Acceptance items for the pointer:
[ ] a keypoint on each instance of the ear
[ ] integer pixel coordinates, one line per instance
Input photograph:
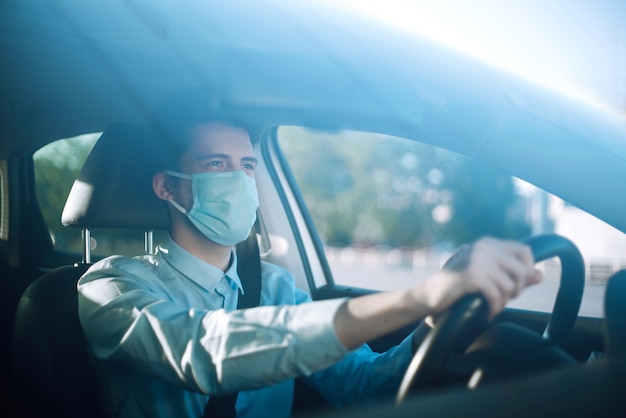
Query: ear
(161, 186)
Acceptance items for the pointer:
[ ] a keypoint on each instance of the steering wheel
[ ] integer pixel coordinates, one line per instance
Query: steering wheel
(453, 325)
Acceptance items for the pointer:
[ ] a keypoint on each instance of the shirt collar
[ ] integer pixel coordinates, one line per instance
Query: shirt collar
(201, 272)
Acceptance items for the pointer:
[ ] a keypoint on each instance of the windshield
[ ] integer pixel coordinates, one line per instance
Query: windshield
(390, 211)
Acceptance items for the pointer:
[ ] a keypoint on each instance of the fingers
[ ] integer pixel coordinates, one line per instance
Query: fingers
(536, 278)
(517, 264)
(499, 269)
(493, 293)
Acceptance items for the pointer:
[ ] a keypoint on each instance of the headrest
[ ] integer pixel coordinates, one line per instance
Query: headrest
(114, 186)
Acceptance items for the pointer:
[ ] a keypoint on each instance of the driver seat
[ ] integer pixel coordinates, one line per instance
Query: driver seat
(50, 364)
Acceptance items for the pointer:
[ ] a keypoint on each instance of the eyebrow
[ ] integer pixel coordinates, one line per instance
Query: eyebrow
(250, 160)
(202, 157)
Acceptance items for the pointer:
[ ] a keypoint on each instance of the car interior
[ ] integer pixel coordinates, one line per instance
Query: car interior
(285, 68)
(49, 360)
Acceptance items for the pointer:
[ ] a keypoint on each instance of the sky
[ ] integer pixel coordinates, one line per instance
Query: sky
(577, 47)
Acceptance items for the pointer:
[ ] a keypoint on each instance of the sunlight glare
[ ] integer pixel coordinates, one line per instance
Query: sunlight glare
(500, 35)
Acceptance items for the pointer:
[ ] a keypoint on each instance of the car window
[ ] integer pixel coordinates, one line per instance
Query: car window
(390, 211)
(56, 167)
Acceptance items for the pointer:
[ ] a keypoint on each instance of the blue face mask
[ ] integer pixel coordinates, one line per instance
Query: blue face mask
(224, 205)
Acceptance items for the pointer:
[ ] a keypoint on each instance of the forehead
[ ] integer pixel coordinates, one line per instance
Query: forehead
(219, 138)
(209, 141)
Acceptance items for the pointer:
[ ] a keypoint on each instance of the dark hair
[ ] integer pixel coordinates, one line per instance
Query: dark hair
(179, 112)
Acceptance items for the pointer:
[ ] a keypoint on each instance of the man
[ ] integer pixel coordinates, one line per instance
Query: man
(164, 330)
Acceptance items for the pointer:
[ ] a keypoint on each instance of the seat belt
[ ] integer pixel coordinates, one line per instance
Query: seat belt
(249, 271)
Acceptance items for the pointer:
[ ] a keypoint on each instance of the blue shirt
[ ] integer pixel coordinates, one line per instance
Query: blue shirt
(165, 334)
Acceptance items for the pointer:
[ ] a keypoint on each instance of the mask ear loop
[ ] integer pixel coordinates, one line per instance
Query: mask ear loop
(177, 206)
(172, 201)
(177, 174)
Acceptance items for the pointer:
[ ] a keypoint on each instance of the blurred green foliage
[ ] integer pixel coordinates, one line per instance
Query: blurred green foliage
(368, 189)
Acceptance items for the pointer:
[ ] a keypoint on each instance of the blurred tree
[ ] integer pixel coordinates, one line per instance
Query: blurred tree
(368, 189)
(484, 202)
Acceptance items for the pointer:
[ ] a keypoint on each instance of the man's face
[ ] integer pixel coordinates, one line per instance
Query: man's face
(215, 148)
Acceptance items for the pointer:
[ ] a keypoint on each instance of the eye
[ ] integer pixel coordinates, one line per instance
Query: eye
(215, 164)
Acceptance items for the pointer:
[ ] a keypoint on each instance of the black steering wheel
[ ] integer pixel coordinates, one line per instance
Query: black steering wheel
(450, 327)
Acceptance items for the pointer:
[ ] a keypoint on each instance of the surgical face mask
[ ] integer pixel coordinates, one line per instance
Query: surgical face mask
(224, 205)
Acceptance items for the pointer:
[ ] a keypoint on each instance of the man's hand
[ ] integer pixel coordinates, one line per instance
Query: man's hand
(498, 269)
